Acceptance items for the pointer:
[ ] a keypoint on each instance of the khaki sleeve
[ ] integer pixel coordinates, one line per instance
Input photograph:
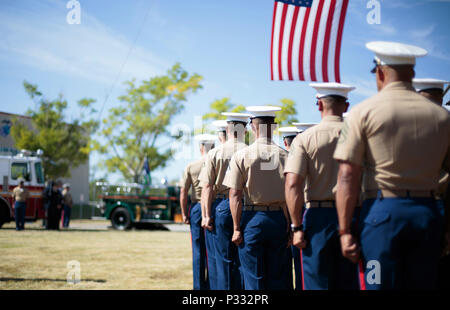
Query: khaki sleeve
(350, 146)
(208, 173)
(234, 177)
(297, 161)
(186, 180)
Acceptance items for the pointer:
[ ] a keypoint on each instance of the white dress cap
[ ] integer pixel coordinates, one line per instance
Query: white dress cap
(424, 84)
(332, 89)
(236, 117)
(221, 125)
(205, 138)
(289, 131)
(394, 53)
(303, 126)
(263, 111)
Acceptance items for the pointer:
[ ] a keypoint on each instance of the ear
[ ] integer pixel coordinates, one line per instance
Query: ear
(320, 103)
(285, 143)
(346, 107)
(380, 74)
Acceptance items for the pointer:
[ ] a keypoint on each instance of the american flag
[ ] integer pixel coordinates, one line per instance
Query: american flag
(306, 40)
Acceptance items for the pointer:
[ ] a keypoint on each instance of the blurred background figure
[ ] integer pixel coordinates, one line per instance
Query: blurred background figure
(20, 195)
(54, 203)
(67, 205)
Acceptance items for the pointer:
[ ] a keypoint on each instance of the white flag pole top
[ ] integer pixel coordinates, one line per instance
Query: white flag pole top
(394, 53)
(332, 89)
(289, 131)
(424, 84)
(236, 117)
(221, 125)
(205, 138)
(303, 126)
(262, 111)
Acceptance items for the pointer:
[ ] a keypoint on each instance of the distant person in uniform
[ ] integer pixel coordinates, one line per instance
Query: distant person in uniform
(261, 223)
(209, 215)
(211, 177)
(67, 205)
(46, 194)
(289, 134)
(432, 89)
(54, 198)
(20, 196)
(398, 142)
(311, 175)
(193, 215)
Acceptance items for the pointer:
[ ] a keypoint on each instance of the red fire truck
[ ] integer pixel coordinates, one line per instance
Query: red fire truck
(26, 165)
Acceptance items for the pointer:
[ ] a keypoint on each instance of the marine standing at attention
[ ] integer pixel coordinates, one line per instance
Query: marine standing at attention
(193, 216)
(311, 174)
(399, 142)
(208, 217)
(261, 222)
(211, 178)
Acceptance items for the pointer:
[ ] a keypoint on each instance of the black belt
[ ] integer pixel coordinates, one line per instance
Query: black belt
(262, 208)
(321, 204)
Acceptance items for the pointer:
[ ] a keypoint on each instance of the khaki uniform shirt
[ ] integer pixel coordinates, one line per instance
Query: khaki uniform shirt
(311, 156)
(20, 194)
(216, 164)
(190, 178)
(258, 170)
(400, 138)
(67, 197)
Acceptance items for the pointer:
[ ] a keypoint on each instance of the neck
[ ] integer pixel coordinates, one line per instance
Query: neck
(330, 112)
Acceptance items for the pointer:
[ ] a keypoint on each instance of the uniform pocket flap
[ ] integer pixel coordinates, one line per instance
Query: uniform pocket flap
(377, 218)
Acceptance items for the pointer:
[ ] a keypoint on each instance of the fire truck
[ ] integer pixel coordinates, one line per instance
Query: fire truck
(26, 165)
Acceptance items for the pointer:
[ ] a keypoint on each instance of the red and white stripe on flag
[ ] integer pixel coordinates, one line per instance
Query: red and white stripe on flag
(306, 40)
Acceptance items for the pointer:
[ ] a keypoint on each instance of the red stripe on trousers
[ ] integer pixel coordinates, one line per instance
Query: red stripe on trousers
(362, 283)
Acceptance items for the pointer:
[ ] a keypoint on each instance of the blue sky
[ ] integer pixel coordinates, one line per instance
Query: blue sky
(227, 42)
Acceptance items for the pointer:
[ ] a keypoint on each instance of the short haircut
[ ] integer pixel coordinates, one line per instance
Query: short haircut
(334, 99)
(289, 140)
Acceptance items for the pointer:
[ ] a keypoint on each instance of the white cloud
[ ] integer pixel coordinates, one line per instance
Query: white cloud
(41, 38)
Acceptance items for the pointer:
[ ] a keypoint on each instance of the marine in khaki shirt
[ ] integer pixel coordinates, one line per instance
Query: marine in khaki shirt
(216, 164)
(190, 178)
(311, 157)
(258, 172)
(390, 135)
(260, 227)
(398, 141)
(311, 161)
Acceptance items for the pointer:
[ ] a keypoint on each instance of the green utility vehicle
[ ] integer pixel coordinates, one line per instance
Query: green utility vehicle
(128, 204)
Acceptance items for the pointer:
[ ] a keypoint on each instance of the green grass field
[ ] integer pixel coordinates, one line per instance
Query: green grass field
(136, 259)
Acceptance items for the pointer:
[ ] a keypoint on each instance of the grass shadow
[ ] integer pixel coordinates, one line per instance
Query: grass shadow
(47, 280)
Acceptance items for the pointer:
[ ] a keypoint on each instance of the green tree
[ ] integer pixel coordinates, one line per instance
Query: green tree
(65, 143)
(217, 107)
(142, 119)
(288, 113)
